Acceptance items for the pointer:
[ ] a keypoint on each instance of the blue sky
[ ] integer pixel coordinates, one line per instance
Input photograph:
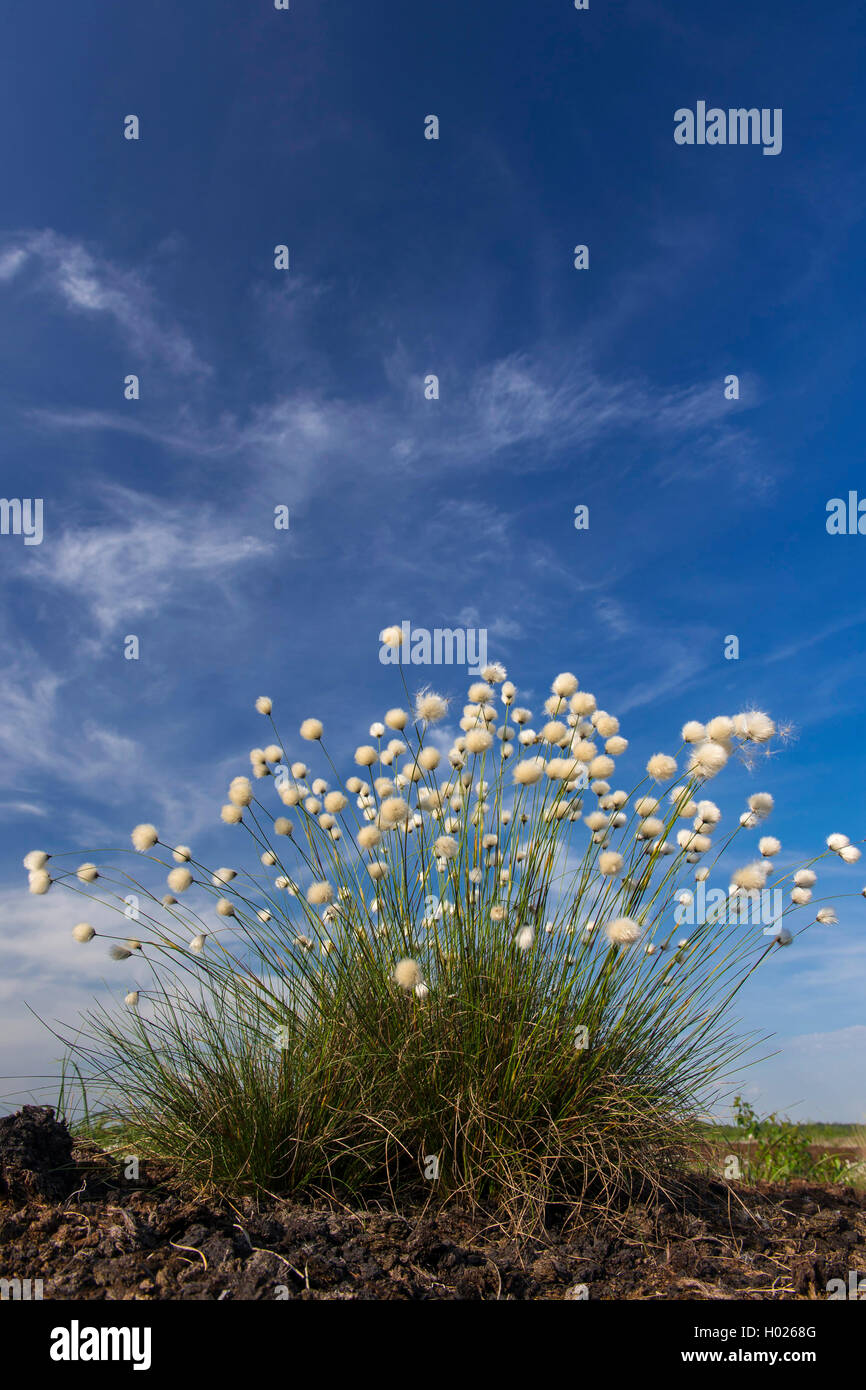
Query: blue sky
(305, 388)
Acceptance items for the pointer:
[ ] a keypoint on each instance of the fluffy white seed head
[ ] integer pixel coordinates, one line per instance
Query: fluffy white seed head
(623, 932)
(661, 767)
(837, 842)
(319, 893)
(478, 740)
(707, 760)
(446, 847)
(605, 723)
(565, 684)
(311, 729)
(36, 859)
(430, 707)
(264, 705)
(529, 771)
(694, 732)
(407, 973)
(144, 837)
(750, 876)
(83, 932)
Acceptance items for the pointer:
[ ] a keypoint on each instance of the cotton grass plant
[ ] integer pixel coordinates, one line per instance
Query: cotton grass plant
(469, 957)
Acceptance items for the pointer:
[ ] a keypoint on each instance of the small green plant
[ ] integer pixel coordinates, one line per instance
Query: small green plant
(779, 1150)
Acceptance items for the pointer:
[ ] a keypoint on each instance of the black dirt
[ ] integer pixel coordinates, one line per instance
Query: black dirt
(75, 1221)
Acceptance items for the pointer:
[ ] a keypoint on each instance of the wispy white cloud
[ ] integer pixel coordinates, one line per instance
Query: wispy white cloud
(147, 555)
(87, 283)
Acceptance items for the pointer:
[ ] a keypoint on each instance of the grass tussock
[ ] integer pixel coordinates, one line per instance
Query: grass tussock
(488, 973)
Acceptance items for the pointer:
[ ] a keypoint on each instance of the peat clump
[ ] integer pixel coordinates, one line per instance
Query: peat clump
(35, 1155)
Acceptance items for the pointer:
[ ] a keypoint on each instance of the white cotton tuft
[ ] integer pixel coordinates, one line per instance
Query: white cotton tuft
(837, 842)
(264, 705)
(694, 732)
(707, 760)
(179, 880)
(83, 932)
(478, 740)
(311, 729)
(661, 767)
(605, 723)
(769, 845)
(524, 938)
(565, 684)
(407, 973)
(36, 859)
(391, 637)
(430, 707)
(144, 837)
(446, 847)
(87, 873)
(750, 876)
(623, 932)
(755, 727)
(320, 892)
(397, 719)
(529, 771)
(582, 703)
(240, 791)
(554, 732)
(601, 766)
(40, 881)
(610, 862)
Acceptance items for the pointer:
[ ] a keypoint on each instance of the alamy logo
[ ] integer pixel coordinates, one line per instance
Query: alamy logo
(22, 516)
(444, 646)
(764, 906)
(856, 1287)
(21, 1289)
(77, 1343)
(736, 126)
